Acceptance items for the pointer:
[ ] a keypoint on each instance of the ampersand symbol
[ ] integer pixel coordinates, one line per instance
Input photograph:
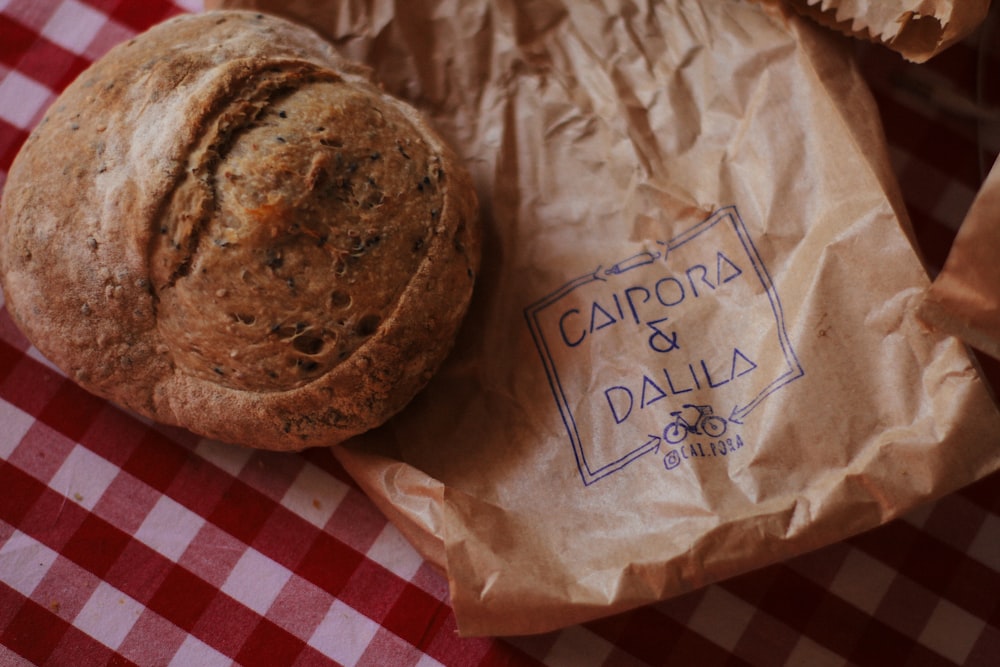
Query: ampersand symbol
(662, 341)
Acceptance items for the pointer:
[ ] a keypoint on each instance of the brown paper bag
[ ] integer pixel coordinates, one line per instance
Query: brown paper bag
(917, 29)
(692, 350)
(964, 299)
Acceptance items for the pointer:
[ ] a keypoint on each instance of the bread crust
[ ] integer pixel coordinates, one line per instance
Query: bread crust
(226, 226)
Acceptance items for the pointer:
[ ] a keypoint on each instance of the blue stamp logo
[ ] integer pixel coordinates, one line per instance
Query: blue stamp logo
(690, 337)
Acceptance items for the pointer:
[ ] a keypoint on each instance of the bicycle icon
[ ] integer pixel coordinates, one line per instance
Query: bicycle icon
(708, 423)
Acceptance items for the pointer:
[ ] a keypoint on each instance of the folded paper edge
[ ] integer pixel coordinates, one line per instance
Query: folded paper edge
(955, 305)
(409, 498)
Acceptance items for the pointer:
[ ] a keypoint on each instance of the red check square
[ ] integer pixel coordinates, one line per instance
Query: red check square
(11, 140)
(96, 545)
(29, 384)
(225, 624)
(357, 521)
(137, 15)
(153, 640)
(51, 63)
(182, 598)
(139, 572)
(156, 460)
(269, 645)
(387, 648)
(52, 520)
(285, 537)
(414, 615)
(33, 632)
(242, 512)
(42, 451)
(212, 555)
(299, 607)
(113, 434)
(65, 589)
(10, 606)
(329, 564)
(18, 40)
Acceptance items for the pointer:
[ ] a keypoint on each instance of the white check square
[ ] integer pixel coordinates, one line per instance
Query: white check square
(108, 615)
(808, 653)
(169, 528)
(953, 202)
(193, 6)
(22, 99)
(230, 458)
(24, 562)
(578, 647)
(344, 634)
(391, 550)
(952, 631)
(83, 477)
(256, 581)
(721, 617)
(427, 661)
(862, 581)
(16, 423)
(196, 652)
(73, 26)
(314, 495)
(985, 546)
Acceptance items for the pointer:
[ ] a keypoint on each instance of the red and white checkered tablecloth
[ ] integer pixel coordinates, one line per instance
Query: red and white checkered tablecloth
(122, 542)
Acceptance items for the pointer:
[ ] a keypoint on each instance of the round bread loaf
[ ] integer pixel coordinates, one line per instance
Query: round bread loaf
(224, 225)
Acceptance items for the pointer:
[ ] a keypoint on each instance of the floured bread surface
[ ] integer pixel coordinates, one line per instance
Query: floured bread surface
(226, 226)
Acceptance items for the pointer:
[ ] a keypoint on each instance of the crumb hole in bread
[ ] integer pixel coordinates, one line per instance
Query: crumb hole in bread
(368, 324)
(308, 365)
(340, 299)
(273, 259)
(310, 345)
(243, 318)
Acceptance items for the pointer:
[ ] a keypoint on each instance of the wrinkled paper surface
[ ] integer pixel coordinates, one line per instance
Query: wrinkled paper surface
(693, 348)
(917, 29)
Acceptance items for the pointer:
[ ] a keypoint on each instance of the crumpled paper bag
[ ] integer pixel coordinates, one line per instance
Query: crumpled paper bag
(917, 29)
(964, 298)
(693, 348)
